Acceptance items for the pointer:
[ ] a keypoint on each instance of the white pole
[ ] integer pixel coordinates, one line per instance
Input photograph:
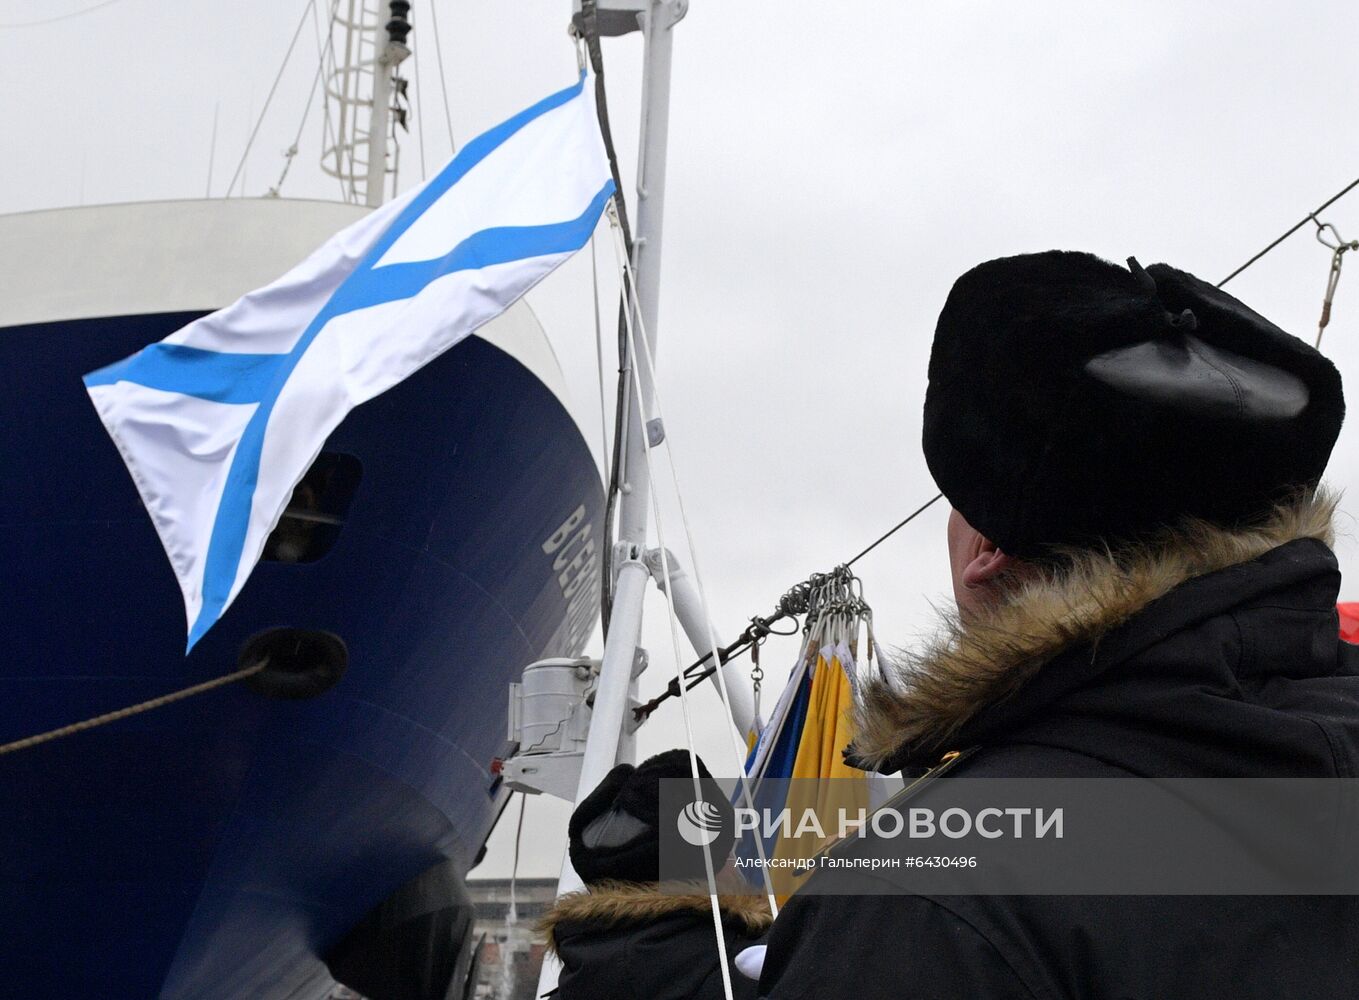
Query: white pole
(376, 184)
(606, 720)
(620, 645)
(389, 44)
(657, 18)
(608, 716)
(684, 598)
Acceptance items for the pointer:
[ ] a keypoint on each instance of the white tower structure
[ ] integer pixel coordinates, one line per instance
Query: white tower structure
(369, 43)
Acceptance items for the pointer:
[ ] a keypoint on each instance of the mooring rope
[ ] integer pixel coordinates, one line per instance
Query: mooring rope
(123, 713)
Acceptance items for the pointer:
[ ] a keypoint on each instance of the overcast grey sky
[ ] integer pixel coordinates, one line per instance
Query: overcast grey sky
(832, 169)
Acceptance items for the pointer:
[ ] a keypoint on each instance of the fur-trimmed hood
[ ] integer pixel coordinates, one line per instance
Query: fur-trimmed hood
(920, 702)
(607, 905)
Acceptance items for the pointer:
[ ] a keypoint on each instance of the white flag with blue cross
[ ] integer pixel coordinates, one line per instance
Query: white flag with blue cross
(219, 421)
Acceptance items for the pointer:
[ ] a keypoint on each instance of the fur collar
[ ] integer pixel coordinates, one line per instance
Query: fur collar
(922, 700)
(614, 904)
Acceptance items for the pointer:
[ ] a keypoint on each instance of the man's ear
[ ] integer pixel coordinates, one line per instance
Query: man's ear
(986, 565)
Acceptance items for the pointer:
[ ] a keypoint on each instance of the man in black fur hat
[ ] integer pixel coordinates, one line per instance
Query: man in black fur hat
(1140, 554)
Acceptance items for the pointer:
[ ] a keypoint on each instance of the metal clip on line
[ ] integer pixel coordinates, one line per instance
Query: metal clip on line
(1337, 248)
(756, 675)
(796, 601)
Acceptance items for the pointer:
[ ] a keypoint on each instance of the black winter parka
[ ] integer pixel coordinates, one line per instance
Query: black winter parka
(1210, 653)
(634, 941)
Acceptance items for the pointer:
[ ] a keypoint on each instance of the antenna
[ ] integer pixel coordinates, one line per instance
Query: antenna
(371, 44)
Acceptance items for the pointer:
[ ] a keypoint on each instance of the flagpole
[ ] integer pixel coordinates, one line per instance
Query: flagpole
(656, 18)
(605, 744)
(389, 43)
(657, 24)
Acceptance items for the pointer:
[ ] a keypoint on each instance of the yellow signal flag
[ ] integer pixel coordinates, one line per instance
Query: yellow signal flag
(823, 784)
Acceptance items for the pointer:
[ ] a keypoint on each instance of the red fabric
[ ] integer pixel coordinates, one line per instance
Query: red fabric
(1349, 621)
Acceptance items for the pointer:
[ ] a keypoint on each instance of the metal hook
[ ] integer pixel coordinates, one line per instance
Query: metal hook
(1337, 249)
(1340, 245)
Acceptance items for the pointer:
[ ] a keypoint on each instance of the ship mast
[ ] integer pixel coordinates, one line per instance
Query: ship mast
(607, 743)
(655, 19)
(393, 51)
(370, 39)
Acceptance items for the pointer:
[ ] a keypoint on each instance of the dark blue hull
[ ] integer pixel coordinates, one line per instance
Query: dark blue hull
(220, 846)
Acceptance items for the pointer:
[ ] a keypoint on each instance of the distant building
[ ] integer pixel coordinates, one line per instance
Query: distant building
(510, 954)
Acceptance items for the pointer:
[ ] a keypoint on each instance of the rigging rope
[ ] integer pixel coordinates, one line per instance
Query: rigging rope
(272, 89)
(329, 137)
(585, 27)
(599, 354)
(507, 970)
(892, 531)
(738, 750)
(1309, 217)
(796, 601)
(719, 932)
(514, 870)
(123, 713)
(290, 153)
(419, 110)
(60, 17)
(212, 152)
(443, 81)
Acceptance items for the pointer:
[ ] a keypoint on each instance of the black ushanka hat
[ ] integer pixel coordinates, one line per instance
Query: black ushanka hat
(1072, 402)
(616, 831)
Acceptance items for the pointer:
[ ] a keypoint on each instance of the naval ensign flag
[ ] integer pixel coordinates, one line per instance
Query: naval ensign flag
(219, 421)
